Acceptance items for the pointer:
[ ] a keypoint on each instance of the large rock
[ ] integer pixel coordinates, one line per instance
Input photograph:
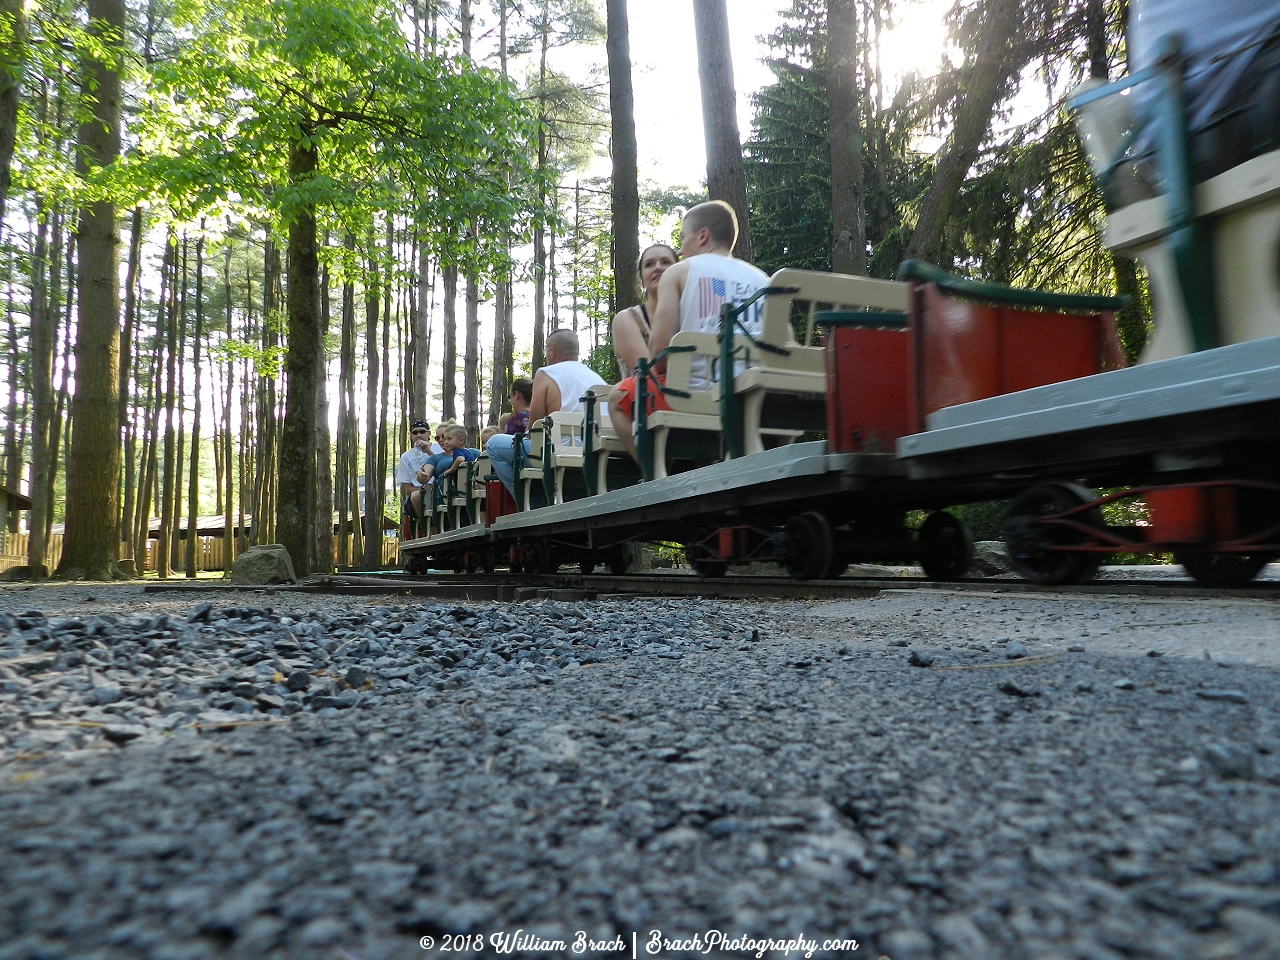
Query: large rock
(990, 559)
(264, 564)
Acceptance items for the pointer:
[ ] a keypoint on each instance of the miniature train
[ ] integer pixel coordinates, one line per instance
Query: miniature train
(934, 391)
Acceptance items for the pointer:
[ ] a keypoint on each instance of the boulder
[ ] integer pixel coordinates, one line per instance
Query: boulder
(990, 559)
(263, 564)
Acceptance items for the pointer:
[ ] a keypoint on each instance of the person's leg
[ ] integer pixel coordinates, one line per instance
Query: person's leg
(502, 458)
(621, 399)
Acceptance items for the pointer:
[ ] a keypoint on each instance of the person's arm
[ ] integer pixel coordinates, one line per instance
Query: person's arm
(666, 319)
(628, 342)
(546, 397)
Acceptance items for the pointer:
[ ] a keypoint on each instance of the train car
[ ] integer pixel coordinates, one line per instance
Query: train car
(933, 390)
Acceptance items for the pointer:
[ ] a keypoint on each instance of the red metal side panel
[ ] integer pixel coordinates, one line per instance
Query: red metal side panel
(867, 389)
(958, 352)
(1178, 515)
(1039, 348)
(963, 351)
(498, 501)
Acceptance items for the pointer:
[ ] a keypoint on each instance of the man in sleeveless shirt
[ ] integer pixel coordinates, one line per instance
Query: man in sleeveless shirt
(557, 386)
(690, 295)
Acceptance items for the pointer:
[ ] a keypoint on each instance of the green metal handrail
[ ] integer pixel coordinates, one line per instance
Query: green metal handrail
(731, 416)
(644, 440)
(998, 293)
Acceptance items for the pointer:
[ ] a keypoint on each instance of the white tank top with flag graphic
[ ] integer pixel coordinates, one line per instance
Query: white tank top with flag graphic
(712, 281)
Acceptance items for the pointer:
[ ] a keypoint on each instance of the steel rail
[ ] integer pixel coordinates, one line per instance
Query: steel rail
(510, 588)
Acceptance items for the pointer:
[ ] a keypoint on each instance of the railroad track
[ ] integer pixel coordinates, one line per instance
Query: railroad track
(508, 588)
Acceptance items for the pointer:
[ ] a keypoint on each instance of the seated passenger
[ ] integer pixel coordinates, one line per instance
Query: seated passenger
(557, 386)
(411, 462)
(519, 398)
(631, 327)
(690, 295)
(492, 430)
(456, 453)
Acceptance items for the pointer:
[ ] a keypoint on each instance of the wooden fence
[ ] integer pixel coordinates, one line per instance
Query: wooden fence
(13, 552)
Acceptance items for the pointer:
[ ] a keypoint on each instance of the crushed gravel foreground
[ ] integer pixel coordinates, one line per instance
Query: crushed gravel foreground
(927, 774)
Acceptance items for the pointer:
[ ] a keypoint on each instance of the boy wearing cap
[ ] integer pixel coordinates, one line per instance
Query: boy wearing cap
(411, 462)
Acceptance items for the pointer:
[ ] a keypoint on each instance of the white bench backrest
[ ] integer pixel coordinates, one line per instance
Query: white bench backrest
(823, 291)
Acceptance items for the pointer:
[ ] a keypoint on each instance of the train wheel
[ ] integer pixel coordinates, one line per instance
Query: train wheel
(808, 546)
(705, 567)
(412, 565)
(947, 546)
(1222, 569)
(1031, 543)
(586, 567)
(538, 560)
(620, 560)
(837, 570)
(488, 561)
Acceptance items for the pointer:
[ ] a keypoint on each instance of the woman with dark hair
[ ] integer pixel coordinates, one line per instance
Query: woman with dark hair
(631, 326)
(520, 397)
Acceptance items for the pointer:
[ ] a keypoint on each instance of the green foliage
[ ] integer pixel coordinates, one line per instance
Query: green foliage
(219, 118)
(1026, 215)
(985, 520)
(788, 163)
(602, 360)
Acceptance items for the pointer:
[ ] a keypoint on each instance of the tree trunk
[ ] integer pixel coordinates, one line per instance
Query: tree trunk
(384, 412)
(228, 478)
(126, 365)
(848, 223)
(141, 519)
(984, 84)
(726, 179)
(42, 337)
(372, 483)
(449, 362)
(540, 221)
(419, 400)
(626, 190)
(471, 362)
(13, 55)
(175, 554)
(324, 447)
(296, 505)
(12, 445)
(58, 441)
(503, 338)
(163, 566)
(92, 543)
(346, 417)
(500, 381)
(193, 483)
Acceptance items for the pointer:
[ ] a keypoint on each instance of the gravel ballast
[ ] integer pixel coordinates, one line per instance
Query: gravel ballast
(288, 776)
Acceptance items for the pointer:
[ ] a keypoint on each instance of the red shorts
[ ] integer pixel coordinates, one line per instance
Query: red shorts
(656, 399)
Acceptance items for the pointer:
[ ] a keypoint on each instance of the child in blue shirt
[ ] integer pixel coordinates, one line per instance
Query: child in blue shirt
(456, 452)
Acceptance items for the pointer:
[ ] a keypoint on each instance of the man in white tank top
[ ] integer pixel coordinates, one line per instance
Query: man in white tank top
(690, 295)
(557, 386)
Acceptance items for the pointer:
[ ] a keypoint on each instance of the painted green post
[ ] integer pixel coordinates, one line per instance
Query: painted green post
(588, 443)
(644, 439)
(1190, 237)
(730, 403)
(517, 464)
